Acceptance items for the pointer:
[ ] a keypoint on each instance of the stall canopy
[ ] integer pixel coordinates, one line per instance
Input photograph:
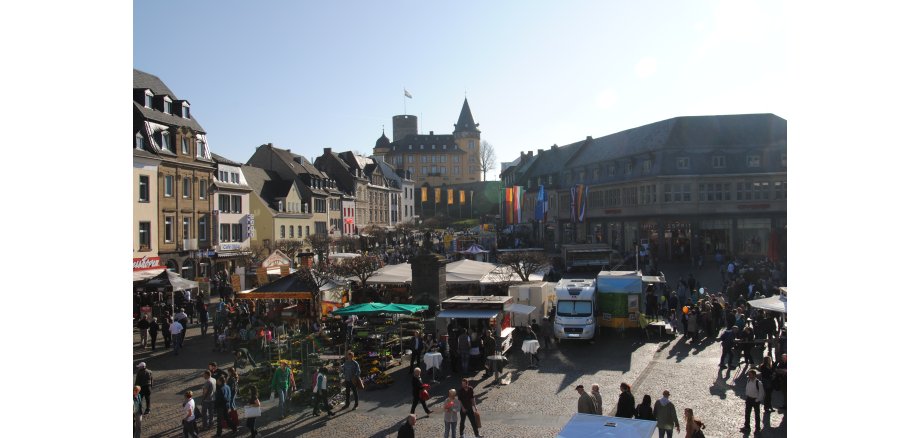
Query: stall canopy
(473, 250)
(468, 271)
(377, 308)
(464, 313)
(776, 303)
(392, 274)
(589, 425)
(294, 286)
(164, 278)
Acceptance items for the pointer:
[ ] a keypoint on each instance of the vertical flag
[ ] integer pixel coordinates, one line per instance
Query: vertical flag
(462, 197)
(424, 194)
(518, 197)
(584, 204)
(572, 192)
(437, 195)
(509, 192)
(538, 210)
(450, 196)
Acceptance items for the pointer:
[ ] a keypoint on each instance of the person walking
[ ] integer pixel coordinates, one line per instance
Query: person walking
(417, 346)
(546, 330)
(208, 392)
(175, 331)
(488, 349)
(351, 373)
(167, 337)
(407, 430)
(280, 383)
(766, 378)
(233, 382)
(143, 325)
(144, 380)
(417, 391)
(585, 402)
(222, 405)
(253, 402)
(694, 426)
(467, 407)
(153, 330)
(644, 410)
(203, 316)
(464, 343)
(320, 394)
(666, 415)
(138, 414)
(728, 347)
(189, 425)
(626, 405)
(182, 318)
(598, 400)
(451, 409)
(753, 396)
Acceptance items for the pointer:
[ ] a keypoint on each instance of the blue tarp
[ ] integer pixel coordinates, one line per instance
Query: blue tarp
(588, 425)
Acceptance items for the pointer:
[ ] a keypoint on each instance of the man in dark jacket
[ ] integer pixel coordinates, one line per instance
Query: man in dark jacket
(416, 391)
(222, 406)
(626, 405)
(407, 430)
(144, 380)
(728, 345)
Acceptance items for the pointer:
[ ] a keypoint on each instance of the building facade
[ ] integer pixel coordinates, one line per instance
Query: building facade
(164, 126)
(146, 213)
(231, 216)
(279, 209)
(686, 186)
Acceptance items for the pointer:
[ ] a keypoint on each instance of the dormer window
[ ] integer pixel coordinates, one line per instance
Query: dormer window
(410, 147)
(199, 147)
(753, 160)
(167, 105)
(683, 163)
(148, 99)
(184, 110)
(139, 140)
(165, 142)
(185, 146)
(444, 147)
(281, 209)
(646, 166)
(422, 147)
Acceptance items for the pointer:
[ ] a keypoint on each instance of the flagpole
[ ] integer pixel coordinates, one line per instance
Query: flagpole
(404, 100)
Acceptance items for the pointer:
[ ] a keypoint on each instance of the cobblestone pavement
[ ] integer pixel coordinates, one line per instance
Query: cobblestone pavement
(537, 402)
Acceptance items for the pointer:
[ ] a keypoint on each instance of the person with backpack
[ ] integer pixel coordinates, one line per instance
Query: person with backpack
(320, 394)
(753, 397)
(694, 427)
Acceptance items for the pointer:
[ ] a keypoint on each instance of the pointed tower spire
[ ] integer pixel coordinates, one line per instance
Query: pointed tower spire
(465, 123)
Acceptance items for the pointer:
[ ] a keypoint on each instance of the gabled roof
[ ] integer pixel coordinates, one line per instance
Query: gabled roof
(465, 121)
(389, 173)
(267, 184)
(154, 84)
(304, 167)
(552, 160)
(689, 132)
(221, 160)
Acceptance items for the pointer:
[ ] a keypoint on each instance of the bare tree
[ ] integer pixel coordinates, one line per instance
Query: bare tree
(319, 244)
(289, 248)
(347, 243)
(361, 267)
(524, 263)
(486, 158)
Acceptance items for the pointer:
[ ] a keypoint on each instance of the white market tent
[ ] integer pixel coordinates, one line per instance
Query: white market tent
(589, 425)
(459, 272)
(468, 271)
(392, 274)
(776, 303)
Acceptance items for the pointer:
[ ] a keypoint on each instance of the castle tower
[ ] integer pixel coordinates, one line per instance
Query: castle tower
(404, 125)
(466, 135)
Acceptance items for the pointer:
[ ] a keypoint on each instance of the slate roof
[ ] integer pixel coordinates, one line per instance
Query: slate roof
(300, 169)
(552, 160)
(389, 173)
(428, 140)
(267, 184)
(465, 121)
(147, 80)
(690, 132)
(221, 160)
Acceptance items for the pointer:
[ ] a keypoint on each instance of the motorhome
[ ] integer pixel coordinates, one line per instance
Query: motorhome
(576, 309)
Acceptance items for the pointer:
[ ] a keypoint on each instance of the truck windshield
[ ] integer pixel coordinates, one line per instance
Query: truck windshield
(573, 308)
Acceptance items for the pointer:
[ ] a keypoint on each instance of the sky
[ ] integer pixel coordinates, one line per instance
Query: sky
(309, 75)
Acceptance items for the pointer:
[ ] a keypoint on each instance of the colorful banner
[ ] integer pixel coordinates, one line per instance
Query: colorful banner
(450, 196)
(437, 195)
(578, 205)
(509, 193)
(424, 194)
(462, 197)
(539, 212)
(513, 201)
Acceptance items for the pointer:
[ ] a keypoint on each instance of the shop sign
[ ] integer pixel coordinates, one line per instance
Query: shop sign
(231, 246)
(250, 222)
(146, 262)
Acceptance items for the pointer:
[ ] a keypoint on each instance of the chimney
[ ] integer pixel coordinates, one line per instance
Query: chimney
(430, 132)
(589, 138)
(555, 147)
(539, 152)
(529, 154)
(327, 151)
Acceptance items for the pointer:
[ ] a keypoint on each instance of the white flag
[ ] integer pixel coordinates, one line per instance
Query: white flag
(407, 93)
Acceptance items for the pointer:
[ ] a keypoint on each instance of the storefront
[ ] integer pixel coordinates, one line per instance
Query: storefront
(715, 235)
(677, 240)
(753, 236)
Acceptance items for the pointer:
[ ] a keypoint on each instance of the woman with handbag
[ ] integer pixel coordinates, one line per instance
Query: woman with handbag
(253, 410)
(451, 410)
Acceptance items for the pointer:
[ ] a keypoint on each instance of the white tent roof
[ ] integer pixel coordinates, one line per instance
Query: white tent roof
(392, 274)
(468, 271)
(776, 303)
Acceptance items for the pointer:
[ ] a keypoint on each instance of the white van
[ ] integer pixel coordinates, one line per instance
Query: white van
(576, 305)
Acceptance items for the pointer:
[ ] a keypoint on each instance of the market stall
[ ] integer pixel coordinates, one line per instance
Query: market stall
(589, 425)
(378, 342)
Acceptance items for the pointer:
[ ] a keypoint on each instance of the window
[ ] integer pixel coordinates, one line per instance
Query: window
(745, 191)
(186, 187)
(186, 227)
(596, 199)
(143, 235)
(168, 186)
(235, 178)
(423, 159)
(236, 204)
(306, 230)
(292, 231)
(203, 227)
(630, 195)
(224, 232)
(648, 194)
(236, 232)
(761, 191)
(596, 173)
(202, 189)
(581, 175)
(753, 160)
(184, 111)
(185, 146)
(646, 166)
(223, 203)
(780, 188)
(167, 105)
(718, 162)
(144, 189)
(319, 205)
(474, 170)
(443, 158)
(456, 159)
(457, 170)
(199, 148)
(139, 141)
(321, 227)
(713, 192)
(410, 148)
(300, 231)
(683, 163)
(425, 171)
(168, 229)
(611, 169)
(612, 197)
(165, 142)
(677, 192)
(148, 99)
(629, 168)
(470, 144)
(282, 231)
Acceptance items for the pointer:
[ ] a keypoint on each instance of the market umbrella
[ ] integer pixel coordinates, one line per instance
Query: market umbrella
(378, 308)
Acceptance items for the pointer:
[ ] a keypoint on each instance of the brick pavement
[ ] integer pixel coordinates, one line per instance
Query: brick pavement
(537, 403)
